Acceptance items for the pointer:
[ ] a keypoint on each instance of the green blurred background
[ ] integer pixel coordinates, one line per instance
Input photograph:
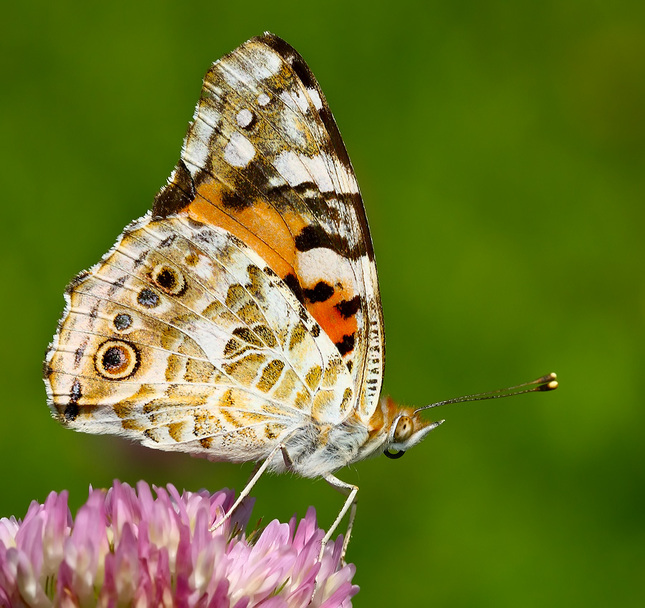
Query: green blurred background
(500, 148)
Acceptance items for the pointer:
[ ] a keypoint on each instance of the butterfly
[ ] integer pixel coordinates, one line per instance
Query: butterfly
(240, 318)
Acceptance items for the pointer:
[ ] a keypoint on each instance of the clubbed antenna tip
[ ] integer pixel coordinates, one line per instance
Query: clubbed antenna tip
(544, 383)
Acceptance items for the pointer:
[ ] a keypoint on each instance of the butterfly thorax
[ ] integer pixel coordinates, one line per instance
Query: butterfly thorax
(317, 450)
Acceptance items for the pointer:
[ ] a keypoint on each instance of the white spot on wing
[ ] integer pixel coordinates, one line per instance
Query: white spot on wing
(322, 264)
(315, 98)
(209, 115)
(244, 118)
(299, 97)
(197, 148)
(266, 62)
(263, 99)
(299, 168)
(239, 151)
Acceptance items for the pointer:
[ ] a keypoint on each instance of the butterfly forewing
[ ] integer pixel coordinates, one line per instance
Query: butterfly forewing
(263, 159)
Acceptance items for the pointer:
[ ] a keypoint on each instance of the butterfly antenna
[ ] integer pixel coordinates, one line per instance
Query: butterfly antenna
(545, 383)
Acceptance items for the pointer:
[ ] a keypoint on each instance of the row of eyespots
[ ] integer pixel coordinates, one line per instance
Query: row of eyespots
(168, 279)
(118, 359)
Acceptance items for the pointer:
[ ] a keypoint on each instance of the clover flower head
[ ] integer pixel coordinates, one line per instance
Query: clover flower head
(130, 547)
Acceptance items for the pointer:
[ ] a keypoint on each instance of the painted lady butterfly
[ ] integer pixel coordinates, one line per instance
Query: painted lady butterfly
(240, 319)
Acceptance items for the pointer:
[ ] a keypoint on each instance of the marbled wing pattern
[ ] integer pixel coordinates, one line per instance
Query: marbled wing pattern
(183, 339)
(263, 158)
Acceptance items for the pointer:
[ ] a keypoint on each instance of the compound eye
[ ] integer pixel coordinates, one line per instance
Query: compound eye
(394, 455)
(403, 430)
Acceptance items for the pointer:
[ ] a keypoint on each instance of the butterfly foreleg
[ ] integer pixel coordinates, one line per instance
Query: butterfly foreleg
(350, 491)
(259, 469)
(288, 464)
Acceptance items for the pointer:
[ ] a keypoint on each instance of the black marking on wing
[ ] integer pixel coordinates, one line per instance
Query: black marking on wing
(294, 285)
(320, 293)
(313, 236)
(148, 298)
(71, 409)
(177, 194)
(346, 344)
(246, 190)
(348, 308)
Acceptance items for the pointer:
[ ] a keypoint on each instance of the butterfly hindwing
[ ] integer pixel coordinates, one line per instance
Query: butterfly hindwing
(183, 339)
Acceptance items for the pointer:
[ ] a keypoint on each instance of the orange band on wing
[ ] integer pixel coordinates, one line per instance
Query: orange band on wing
(331, 320)
(259, 225)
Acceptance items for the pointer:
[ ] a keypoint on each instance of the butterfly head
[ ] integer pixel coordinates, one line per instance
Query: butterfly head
(397, 429)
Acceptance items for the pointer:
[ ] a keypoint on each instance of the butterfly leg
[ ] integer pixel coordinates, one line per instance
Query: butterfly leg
(350, 491)
(257, 473)
(288, 463)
